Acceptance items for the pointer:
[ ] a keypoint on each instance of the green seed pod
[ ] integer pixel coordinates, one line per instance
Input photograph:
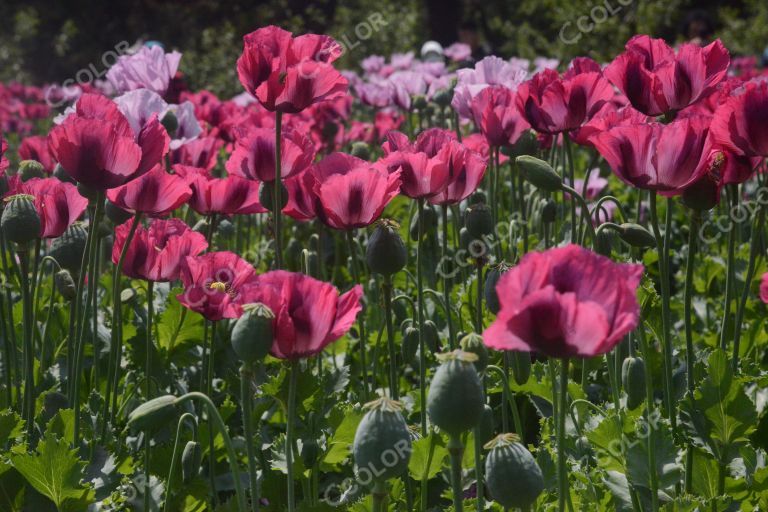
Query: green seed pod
(443, 97)
(455, 400)
(191, 458)
(116, 214)
(521, 366)
(267, 194)
(484, 429)
(386, 252)
(61, 174)
(636, 235)
(69, 248)
(478, 197)
(65, 285)
(410, 344)
(633, 380)
(492, 277)
(430, 222)
(153, 414)
(431, 336)
(473, 343)
(361, 150)
(310, 451)
(252, 334)
(382, 445)
(478, 220)
(170, 123)
(20, 222)
(513, 477)
(549, 211)
(539, 173)
(225, 229)
(419, 102)
(29, 169)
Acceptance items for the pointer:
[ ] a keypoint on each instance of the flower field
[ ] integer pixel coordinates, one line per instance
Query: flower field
(432, 283)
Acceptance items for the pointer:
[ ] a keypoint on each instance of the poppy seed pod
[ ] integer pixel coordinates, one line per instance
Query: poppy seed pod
(443, 97)
(514, 478)
(253, 333)
(29, 169)
(267, 194)
(153, 414)
(382, 445)
(68, 249)
(361, 150)
(539, 173)
(455, 400)
(20, 221)
(430, 222)
(478, 220)
(386, 253)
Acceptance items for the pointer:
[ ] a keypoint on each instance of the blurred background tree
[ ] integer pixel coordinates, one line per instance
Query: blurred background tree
(49, 41)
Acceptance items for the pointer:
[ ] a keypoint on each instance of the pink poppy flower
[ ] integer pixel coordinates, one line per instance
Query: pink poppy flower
(254, 154)
(467, 169)
(740, 123)
(232, 195)
(201, 152)
(155, 193)
(764, 288)
(36, 148)
(495, 112)
(424, 165)
(58, 204)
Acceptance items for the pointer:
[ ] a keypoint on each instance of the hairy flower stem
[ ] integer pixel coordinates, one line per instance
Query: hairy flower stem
(651, 420)
(730, 271)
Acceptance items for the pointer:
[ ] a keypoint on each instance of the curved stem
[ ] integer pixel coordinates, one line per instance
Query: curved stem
(584, 207)
(175, 457)
(278, 192)
(509, 398)
(213, 414)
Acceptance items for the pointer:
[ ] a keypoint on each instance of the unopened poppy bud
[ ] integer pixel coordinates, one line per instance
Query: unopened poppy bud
(361, 150)
(267, 194)
(636, 235)
(633, 380)
(386, 253)
(443, 97)
(419, 102)
(190, 461)
(253, 333)
(309, 452)
(116, 214)
(549, 211)
(527, 144)
(65, 285)
(539, 173)
(473, 343)
(489, 290)
(429, 216)
(20, 222)
(478, 220)
(153, 414)
(604, 241)
(29, 169)
(68, 249)
(170, 123)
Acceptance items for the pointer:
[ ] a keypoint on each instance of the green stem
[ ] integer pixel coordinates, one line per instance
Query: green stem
(447, 281)
(379, 495)
(394, 386)
(213, 413)
(278, 192)
(562, 473)
(175, 457)
(479, 298)
(688, 318)
(147, 382)
(730, 276)
(361, 318)
(649, 416)
(422, 354)
(246, 396)
(480, 498)
(572, 178)
(455, 449)
(293, 378)
(29, 356)
(209, 393)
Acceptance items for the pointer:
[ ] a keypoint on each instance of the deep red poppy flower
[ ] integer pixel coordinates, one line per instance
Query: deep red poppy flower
(58, 204)
(656, 81)
(155, 193)
(655, 156)
(309, 314)
(232, 195)
(351, 192)
(495, 113)
(254, 154)
(565, 302)
(424, 165)
(214, 283)
(554, 104)
(36, 148)
(158, 253)
(288, 74)
(740, 123)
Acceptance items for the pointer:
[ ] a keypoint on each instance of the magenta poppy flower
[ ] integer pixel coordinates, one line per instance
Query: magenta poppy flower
(232, 195)
(303, 204)
(351, 192)
(309, 314)
(608, 117)
(495, 113)
(554, 104)
(214, 284)
(149, 68)
(655, 156)
(254, 154)
(157, 253)
(740, 124)
(36, 148)
(764, 288)
(58, 204)
(424, 165)
(288, 74)
(565, 302)
(3, 160)
(201, 152)
(656, 81)
(467, 169)
(155, 193)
